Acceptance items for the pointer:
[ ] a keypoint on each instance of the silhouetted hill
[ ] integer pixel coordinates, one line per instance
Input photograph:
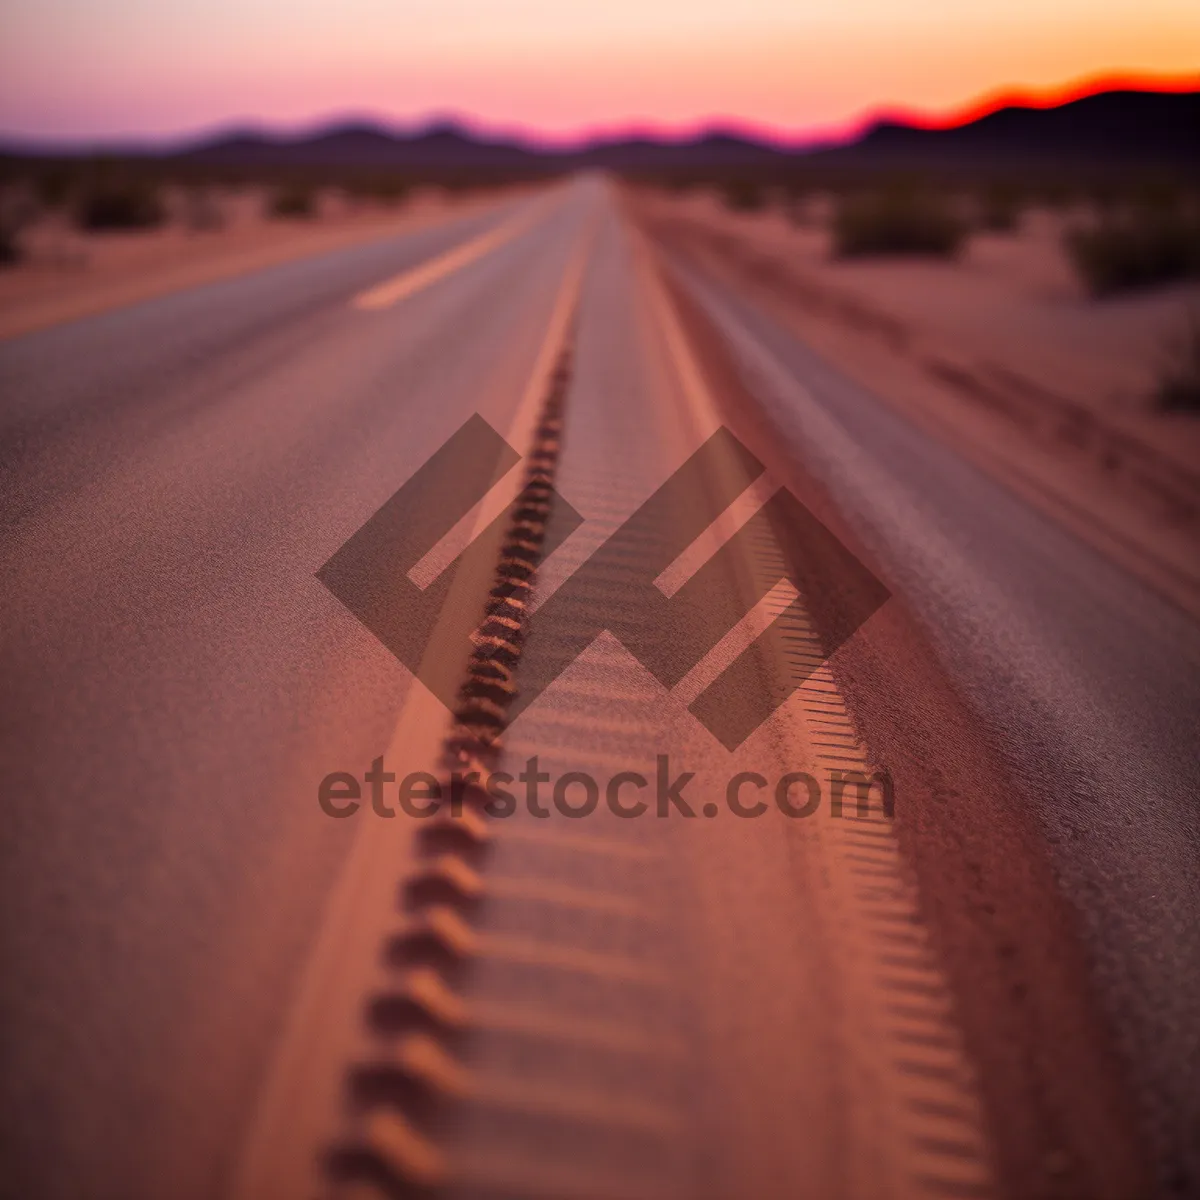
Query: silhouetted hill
(362, 145)
(1114, 127)
(449, 146)
(1117, 126)
(713, 149)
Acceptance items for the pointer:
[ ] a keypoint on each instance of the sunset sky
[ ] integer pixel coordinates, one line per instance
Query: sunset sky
(83, 69)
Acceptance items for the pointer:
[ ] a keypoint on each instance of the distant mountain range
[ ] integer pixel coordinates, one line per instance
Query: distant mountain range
(1127, 126)
(449, 146)
(1116, 126)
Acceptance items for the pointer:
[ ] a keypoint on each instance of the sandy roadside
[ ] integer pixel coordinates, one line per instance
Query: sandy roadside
(67, 274)
(1001, 355)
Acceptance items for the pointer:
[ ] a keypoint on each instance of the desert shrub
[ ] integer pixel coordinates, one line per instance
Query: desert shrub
(800, 211)
(1158, 194)
(292, 202)
(54, 185)
(120, 206)
(382, 189)
(10, 250)
(1136, 249)
(896, 221)
(202, 211)
(390, 191)
(744, 195)
(1179, 386)
(1059, 195)
(458, 184)
(1000, 209)
(797, 201)
(18, 208)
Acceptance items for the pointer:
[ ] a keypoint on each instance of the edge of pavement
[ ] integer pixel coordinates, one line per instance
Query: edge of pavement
(917, 1104)
(1053, 1085)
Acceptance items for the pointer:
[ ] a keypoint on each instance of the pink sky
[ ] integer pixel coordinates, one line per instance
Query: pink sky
(104, 68)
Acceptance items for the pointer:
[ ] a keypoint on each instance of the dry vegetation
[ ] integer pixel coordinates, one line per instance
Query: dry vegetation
(120, 204)
(98, 196)
(896, 219)
(1141, 229)
(1139, 247)
(80, 237)
(1119, 233)
(293, 201)
(1179, 385)
(999, 340)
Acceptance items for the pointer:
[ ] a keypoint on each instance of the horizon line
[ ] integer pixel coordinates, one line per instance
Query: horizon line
(480, 128)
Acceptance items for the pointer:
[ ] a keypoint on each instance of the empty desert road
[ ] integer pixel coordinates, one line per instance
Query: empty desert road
(1008, 1006)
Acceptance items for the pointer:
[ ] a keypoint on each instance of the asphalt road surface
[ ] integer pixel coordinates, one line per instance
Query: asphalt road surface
(178, 682)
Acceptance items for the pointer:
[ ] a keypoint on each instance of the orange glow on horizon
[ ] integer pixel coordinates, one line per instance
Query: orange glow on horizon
(1042, 98)
(991, 101)
(558, 74)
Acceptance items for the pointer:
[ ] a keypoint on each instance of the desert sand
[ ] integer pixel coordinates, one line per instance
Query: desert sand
(1001, 353)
